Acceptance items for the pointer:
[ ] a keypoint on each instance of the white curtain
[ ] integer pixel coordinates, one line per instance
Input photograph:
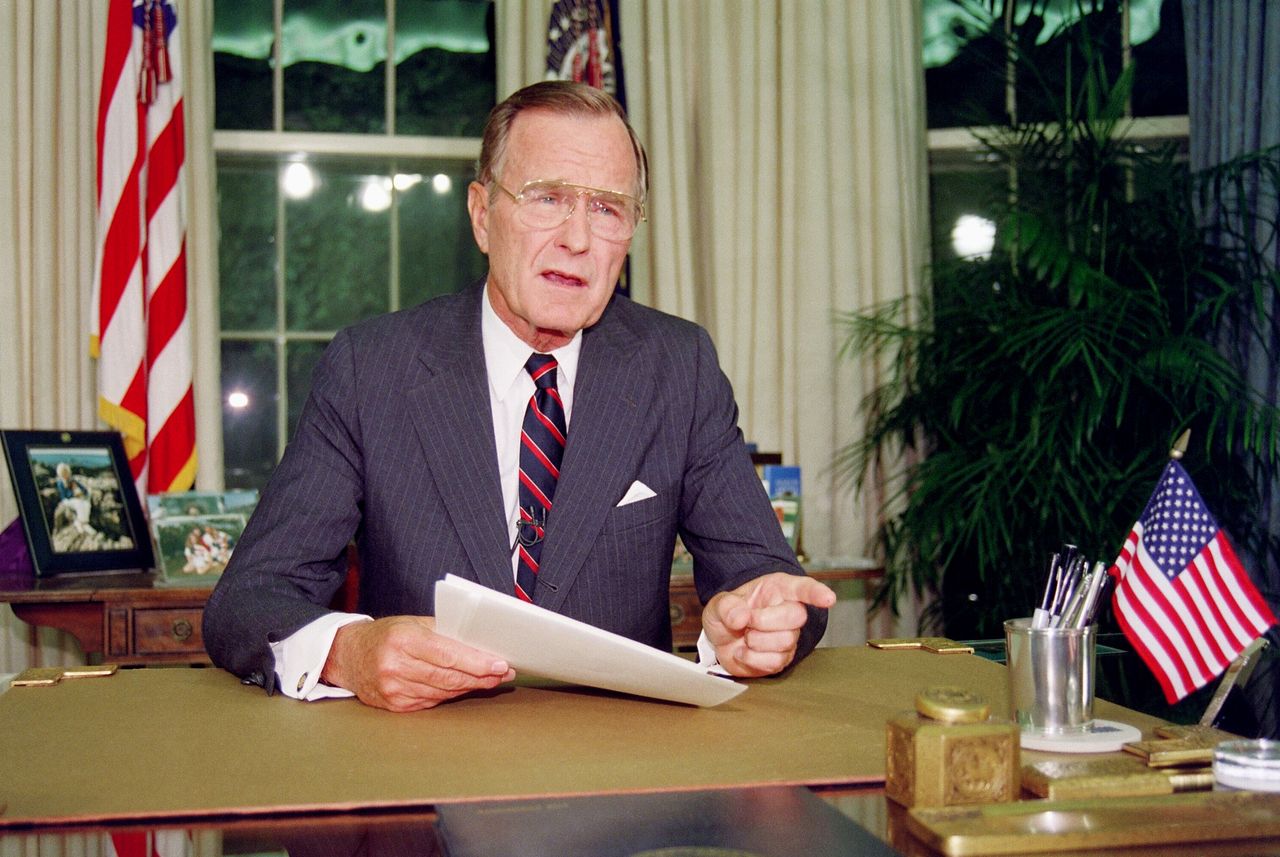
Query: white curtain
(48, 87)
(788, 165)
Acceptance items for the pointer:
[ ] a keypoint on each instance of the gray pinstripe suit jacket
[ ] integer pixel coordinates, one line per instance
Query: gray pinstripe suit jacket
(395, 447)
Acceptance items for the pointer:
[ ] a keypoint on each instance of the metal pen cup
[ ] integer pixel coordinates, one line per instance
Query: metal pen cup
(1051, 677)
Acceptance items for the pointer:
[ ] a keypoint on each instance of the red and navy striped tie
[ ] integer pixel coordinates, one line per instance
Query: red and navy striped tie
(541, 449)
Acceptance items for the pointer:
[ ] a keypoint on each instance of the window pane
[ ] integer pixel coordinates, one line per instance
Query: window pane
(1052, 44)
(243, 34)
(1159, 58)
(966, 195)
(334, 54)
(247, 243)
(445, 69)
(337, 247)
(302, 358)
(964, 61)
(437, 252)
(249, 402)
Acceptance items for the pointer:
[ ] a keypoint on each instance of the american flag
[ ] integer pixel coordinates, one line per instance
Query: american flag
(154, 843)
(140, 329)
(1182, 597)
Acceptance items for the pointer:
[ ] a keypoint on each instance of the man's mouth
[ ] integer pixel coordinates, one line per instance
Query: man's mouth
(560, 278)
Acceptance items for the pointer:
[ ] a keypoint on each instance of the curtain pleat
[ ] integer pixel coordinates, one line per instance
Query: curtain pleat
(789, 169)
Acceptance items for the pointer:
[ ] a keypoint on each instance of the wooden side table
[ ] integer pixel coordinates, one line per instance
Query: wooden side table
(121, 618)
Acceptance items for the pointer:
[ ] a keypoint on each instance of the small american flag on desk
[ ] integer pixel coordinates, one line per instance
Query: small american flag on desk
(1182, 597)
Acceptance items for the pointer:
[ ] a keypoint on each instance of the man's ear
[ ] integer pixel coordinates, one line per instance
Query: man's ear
(478, 208)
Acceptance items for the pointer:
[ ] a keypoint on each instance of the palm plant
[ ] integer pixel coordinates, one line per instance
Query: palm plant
(1041, 388)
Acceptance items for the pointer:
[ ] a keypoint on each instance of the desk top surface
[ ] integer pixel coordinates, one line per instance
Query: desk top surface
(169, 743)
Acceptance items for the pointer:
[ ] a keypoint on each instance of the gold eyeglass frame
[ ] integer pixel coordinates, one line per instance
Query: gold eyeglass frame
(518, 198)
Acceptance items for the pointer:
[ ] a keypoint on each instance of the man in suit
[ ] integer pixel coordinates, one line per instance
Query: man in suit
(412, 442)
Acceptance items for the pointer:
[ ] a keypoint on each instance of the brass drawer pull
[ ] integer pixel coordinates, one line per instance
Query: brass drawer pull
(182, 630)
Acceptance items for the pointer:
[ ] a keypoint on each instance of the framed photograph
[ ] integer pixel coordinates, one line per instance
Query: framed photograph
(184, 504)
(79, 507)
(189, 503)
(194, 550)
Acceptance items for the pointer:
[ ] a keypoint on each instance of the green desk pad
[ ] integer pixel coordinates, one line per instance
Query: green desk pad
(167, 743)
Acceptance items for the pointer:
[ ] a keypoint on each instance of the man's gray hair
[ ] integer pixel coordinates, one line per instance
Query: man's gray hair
(556, 96)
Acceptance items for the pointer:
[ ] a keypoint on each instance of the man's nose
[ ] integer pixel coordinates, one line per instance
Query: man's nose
(575, 233)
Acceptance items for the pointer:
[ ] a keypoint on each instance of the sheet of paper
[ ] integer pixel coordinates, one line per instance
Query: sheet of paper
(540, 642)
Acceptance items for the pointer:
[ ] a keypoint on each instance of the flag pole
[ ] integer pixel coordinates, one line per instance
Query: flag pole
(1180, 445)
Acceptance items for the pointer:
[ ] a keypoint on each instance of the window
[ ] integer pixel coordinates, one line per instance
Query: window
(970, 82)
(341, 186)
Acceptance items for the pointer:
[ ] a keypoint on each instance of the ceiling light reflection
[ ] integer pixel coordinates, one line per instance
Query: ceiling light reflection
(375, 196)
(973, 237)
(299, 181)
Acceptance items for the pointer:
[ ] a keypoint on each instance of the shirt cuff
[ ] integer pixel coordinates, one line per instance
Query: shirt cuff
(707, 657)
(300, 657)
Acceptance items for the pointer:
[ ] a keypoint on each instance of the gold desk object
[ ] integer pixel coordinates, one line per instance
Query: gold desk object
(1038, 826)
(47, 676)
(1195, 733)
(1104, 776)
(947, 753)
(1179, 745)
(937, 645)
(37, 677)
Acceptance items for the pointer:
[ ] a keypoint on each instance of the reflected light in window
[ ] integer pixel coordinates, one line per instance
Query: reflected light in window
(441, 183)
(404, 181)
(299, 181)
(376, 194)
(238, 400)
(973, 237)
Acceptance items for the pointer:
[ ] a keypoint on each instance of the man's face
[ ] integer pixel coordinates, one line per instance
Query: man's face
(547, 284)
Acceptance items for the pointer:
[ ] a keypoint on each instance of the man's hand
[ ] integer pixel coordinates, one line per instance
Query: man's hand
(400, 663)
(755, 627)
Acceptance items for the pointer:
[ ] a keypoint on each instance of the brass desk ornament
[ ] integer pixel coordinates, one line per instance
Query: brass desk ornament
(948, 752)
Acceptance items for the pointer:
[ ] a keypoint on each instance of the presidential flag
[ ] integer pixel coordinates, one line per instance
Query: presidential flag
(140, 330)
(1182, 598)
(582, 45)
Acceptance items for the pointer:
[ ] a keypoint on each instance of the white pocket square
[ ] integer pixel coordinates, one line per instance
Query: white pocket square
(638, 491)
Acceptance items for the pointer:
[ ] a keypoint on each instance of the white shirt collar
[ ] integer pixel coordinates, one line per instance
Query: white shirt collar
(505, 353)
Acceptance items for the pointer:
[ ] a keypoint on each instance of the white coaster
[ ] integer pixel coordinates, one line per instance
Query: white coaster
(1100, 736)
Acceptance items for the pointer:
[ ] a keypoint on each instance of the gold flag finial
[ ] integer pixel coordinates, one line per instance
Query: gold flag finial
(1180, 445)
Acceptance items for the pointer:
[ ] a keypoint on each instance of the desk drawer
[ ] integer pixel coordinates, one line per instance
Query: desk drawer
(171, 631)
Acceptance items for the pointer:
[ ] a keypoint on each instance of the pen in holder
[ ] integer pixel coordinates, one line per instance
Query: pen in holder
(1051, 657)
(1051, 677)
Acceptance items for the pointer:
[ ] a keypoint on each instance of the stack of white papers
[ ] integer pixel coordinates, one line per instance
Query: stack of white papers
(537, 641)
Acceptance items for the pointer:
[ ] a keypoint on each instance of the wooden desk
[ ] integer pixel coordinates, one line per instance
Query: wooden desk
(88, 749)
(263, 775)
(128, 619)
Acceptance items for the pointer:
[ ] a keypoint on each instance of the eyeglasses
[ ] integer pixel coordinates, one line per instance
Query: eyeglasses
(542, 204)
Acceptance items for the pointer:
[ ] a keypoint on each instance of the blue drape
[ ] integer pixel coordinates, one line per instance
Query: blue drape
(1233, 76)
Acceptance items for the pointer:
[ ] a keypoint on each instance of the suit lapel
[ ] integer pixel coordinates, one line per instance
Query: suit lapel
(614, 388)
(455, 427)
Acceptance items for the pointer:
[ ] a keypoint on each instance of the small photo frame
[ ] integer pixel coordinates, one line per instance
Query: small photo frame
(194, 550)
(190, 503)
(184, 504)
(77, 500)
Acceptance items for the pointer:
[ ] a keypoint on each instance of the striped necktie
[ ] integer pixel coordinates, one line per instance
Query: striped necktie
(541, 449)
